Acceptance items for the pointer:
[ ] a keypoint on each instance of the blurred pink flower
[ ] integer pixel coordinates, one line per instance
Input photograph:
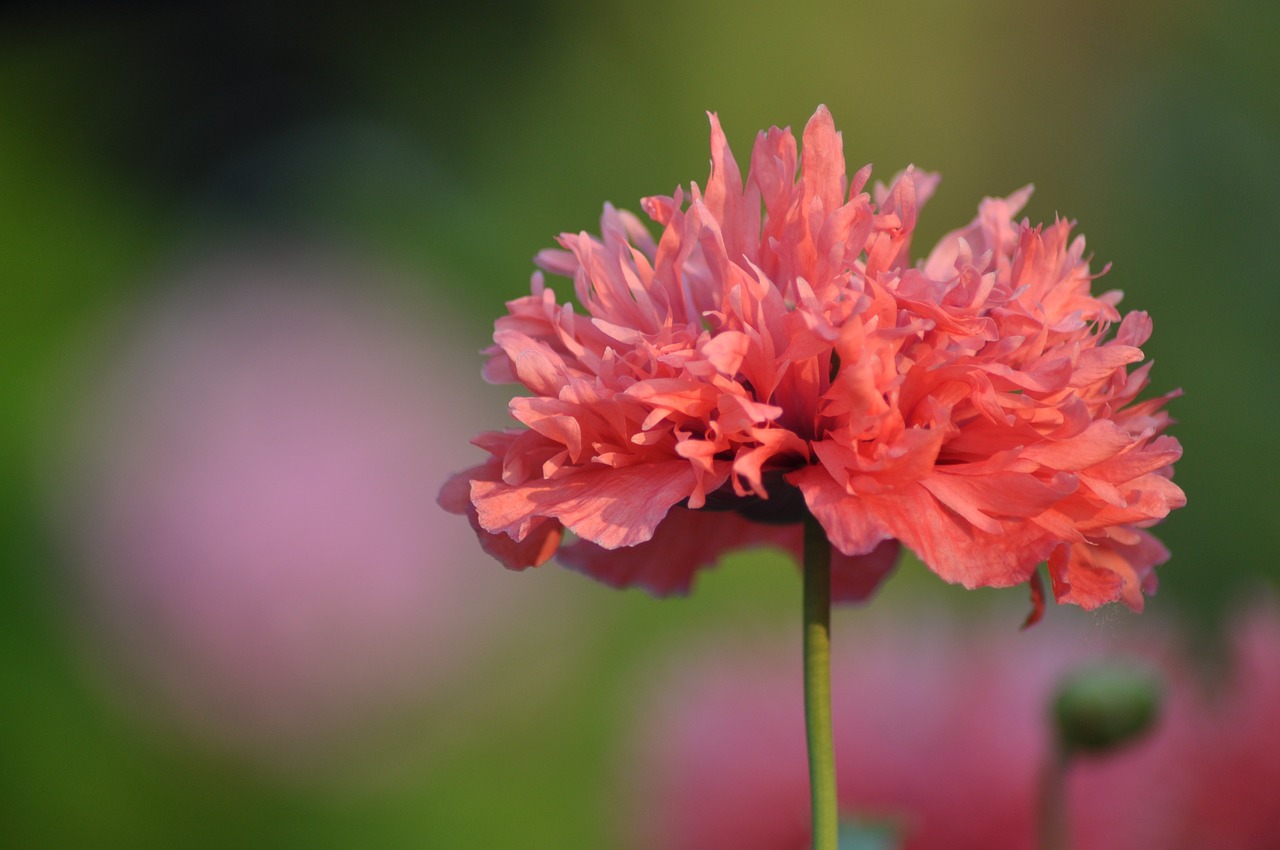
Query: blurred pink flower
(942, 733)
(1236, 761)
(256, 517)
(750, 365)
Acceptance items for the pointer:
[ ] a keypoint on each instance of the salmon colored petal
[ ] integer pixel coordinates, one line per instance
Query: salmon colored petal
(1094, 573)
(691, 540)
(540, 541)
(1101, 441)
(537, 547)
(851, 525)
(984, 499)
(822, 162)
(955, 548)
(855, 577)
(1037, 602)
(611, 507)
(685, 542)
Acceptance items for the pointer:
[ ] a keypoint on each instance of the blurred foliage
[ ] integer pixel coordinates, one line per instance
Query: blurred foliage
(453, 144)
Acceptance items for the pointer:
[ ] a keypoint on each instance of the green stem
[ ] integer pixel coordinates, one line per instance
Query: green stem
(817, 684)
(1053, 801)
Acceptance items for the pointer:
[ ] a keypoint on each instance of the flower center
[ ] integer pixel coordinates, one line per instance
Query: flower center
(785, 505)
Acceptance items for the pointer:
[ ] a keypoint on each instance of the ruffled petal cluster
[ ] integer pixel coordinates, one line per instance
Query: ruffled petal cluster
(777, 350)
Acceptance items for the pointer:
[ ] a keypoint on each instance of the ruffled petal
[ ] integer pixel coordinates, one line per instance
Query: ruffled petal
(685, 542)
(956, 549)
(853, 528)
(539, 543)
(611, 507)
(855, 577)
(1096, 572)
(691, 540)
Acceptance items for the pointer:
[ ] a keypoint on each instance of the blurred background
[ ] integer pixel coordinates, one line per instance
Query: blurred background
(249, 253)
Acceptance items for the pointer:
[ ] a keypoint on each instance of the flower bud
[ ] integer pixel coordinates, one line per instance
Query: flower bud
(1105, 705)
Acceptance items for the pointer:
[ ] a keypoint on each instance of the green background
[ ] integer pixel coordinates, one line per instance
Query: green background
(452, 145)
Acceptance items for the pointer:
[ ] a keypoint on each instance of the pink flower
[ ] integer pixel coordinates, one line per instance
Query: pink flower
(1236, 760)
(777, 350)
(259, 547)
(941, 734)
(943, 731)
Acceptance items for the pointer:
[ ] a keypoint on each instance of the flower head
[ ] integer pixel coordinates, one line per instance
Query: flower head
(776, 350)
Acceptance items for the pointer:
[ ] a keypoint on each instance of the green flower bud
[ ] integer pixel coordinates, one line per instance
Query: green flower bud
(1105, 705)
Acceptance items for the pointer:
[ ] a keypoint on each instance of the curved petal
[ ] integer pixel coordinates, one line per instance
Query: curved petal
(611, 507)
(850, 524)
(855, 577)
(539, 542)
(685, 542)
(956, 549)
(691, 540)
(1094, 573)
